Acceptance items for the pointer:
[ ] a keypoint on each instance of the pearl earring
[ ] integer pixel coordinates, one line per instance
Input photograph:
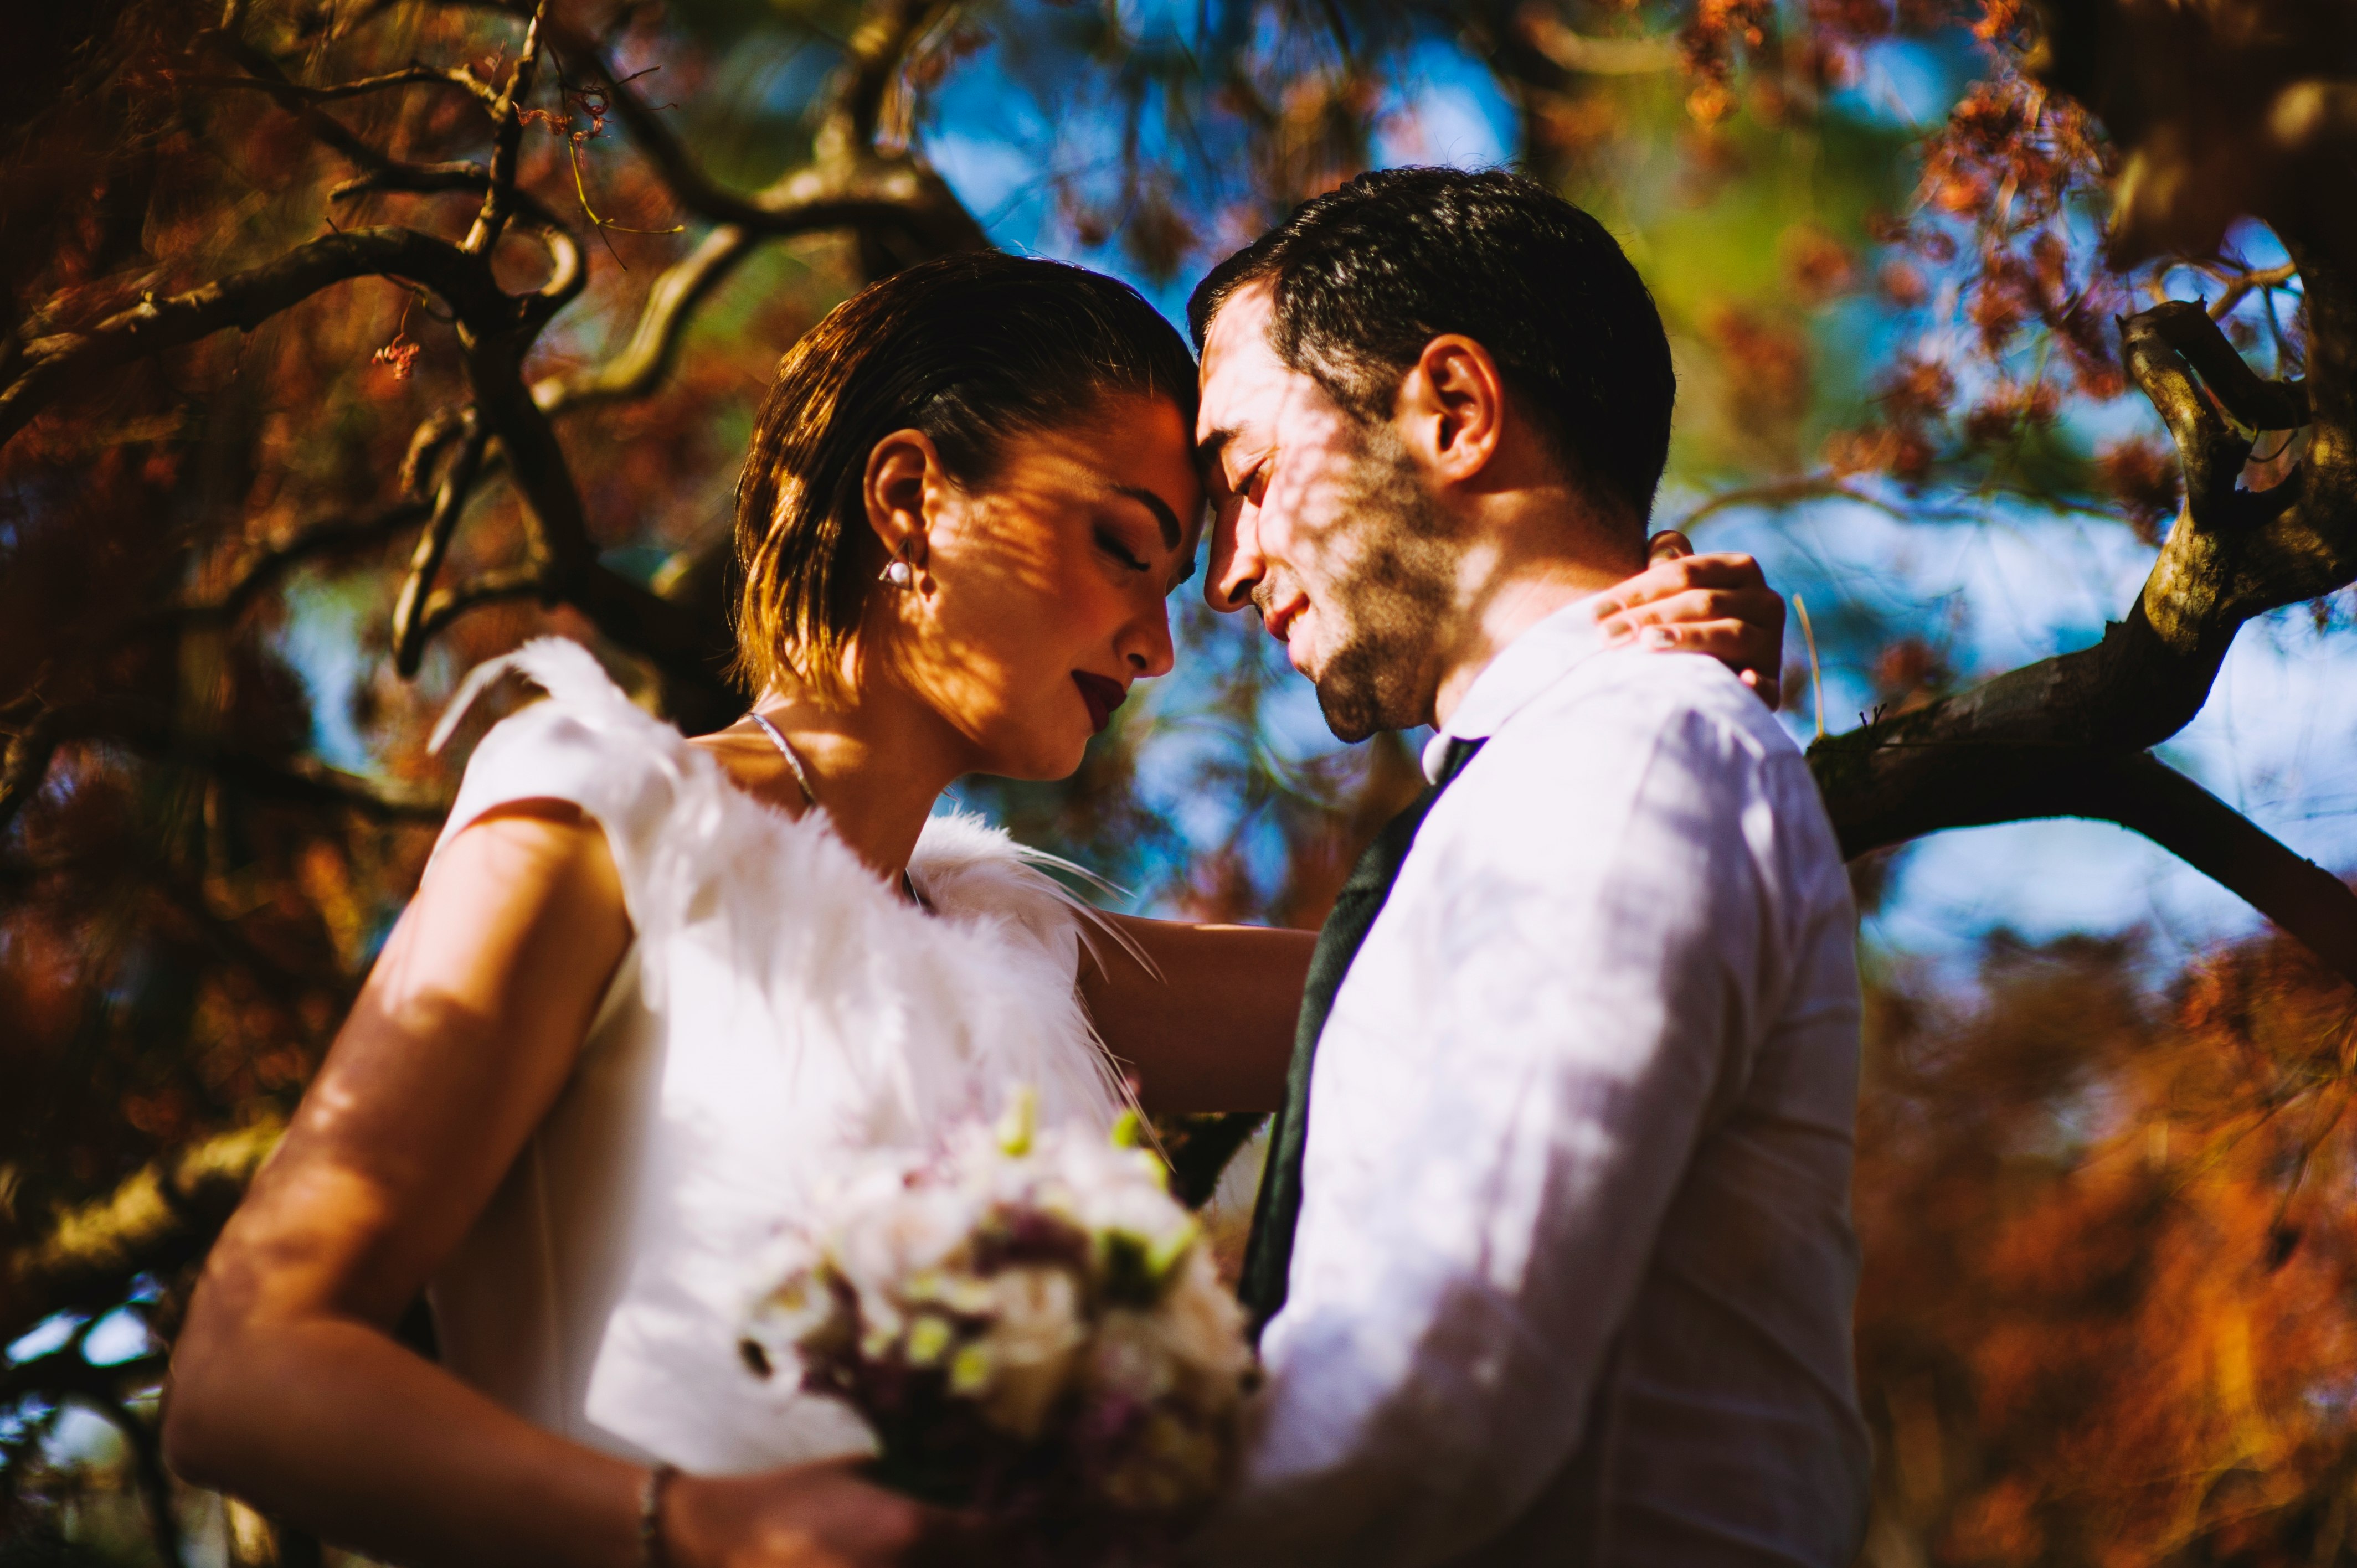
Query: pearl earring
(899, 575)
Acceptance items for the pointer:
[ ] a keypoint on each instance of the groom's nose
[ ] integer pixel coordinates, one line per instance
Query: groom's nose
(1237, 565)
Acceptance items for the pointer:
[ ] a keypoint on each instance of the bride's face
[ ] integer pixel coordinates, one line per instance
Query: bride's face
(1040, 595)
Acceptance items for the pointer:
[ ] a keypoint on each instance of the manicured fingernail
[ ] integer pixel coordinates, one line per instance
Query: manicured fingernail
(1659, 637)
(1619, 636)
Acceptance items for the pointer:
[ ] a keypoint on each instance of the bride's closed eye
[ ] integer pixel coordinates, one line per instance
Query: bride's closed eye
(1113, 544)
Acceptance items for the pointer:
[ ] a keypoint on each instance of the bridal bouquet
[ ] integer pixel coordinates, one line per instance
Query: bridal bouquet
(1033, 1328)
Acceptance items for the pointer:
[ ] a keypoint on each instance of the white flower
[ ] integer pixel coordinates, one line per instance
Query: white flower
(886, 1236)
(907, 1266)
(1035, 1331)
(1203, 1325)
(1127, 1355)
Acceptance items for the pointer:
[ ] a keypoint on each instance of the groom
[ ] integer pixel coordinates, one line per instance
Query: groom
(1554, 1252)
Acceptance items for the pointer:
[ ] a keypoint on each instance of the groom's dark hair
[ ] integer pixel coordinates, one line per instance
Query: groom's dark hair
(1366, 275)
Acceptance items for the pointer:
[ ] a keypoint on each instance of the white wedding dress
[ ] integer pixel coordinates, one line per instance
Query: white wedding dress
(779, 1005)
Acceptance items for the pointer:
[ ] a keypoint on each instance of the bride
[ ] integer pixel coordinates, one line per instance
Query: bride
(652, 986)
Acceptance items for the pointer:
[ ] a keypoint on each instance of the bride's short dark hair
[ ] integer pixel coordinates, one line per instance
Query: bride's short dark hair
(970, 349)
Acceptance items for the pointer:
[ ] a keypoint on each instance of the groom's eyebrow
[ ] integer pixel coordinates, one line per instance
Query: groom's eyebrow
(1171, 531)
(1208, 450)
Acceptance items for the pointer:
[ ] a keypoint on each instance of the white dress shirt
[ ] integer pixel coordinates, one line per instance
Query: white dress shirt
(1573, 1273)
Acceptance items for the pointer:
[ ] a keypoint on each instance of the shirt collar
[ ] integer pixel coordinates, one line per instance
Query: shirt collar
(1544, 654)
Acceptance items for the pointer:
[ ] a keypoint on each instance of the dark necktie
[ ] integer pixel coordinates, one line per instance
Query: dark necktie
(1268, 1256)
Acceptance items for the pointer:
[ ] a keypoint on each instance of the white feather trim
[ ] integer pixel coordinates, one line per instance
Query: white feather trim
(948, 1011)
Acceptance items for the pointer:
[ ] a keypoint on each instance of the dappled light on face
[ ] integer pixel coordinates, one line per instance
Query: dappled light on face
(1059, 563)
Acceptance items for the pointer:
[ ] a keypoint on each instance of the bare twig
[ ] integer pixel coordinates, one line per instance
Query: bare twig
(848, 185)
(1781, 493)
(2239, 287)
(507, 138)
(431, 180)
(416, 75)
(491, 588)
(263, 570)
(409, 630)
(671, 305)
(242, 300)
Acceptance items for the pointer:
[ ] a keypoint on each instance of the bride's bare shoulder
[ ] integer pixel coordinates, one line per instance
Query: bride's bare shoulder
(537, 864)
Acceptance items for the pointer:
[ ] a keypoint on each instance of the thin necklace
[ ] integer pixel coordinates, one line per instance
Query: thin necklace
(810, 796)
(793, 760)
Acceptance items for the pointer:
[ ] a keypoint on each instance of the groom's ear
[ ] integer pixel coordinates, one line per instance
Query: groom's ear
(1451, 407)
(904, 473)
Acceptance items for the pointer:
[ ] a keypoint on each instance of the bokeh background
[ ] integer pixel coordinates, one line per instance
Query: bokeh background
(2105, 1182)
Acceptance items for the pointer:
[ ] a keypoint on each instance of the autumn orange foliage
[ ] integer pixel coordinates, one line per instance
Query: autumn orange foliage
(2110, 1309)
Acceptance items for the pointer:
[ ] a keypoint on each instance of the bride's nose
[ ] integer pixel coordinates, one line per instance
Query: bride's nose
(1144, 644)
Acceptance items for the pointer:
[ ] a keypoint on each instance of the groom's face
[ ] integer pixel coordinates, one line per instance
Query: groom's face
(1325, 523)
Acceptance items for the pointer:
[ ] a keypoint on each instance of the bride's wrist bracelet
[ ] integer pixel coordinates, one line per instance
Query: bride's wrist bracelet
(652, 1554)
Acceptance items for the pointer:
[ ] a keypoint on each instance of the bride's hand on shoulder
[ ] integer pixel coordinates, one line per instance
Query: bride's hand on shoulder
(811, 1516)
(1718, 605)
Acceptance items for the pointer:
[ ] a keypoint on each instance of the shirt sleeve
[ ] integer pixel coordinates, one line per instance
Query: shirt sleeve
(1563, 987)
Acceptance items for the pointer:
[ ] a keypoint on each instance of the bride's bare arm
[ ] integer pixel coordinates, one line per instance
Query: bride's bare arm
(1213, 1030)
(287, 1386)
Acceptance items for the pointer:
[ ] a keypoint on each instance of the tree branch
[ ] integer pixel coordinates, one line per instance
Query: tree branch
(507, 139)
(243, 300)
(261, 572)
(491, 588)
(315, 783)
(673, 636)
(2240, 286)
(161, 1221)
(433, 179)
(416, 74)
(848, 185)
(642, 365)
(2191, 332)
(2066, 736)
(409, 631)
(1980, 784)
(879, 46)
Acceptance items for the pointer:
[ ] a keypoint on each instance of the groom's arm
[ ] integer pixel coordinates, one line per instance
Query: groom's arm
(1502, 1113)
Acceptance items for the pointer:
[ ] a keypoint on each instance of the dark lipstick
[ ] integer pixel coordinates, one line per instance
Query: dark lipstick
(1101, 695)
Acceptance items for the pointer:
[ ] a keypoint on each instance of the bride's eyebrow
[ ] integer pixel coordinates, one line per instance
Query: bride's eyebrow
(1171, 531)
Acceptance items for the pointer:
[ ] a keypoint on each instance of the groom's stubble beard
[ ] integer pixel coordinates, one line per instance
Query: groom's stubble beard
(1390, 598)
